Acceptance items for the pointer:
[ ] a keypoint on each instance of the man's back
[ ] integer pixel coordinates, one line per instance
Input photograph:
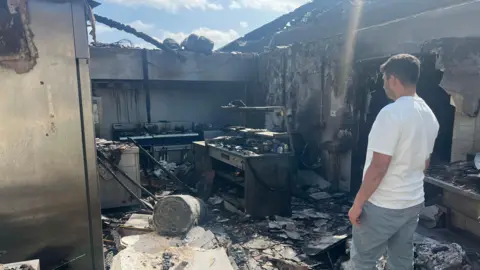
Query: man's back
(405, 130)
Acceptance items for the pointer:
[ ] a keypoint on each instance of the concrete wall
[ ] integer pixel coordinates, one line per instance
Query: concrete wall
(466, 136)
(116, 64)
(121, 103)
(126, 64)
(196, 101)
(125, 102)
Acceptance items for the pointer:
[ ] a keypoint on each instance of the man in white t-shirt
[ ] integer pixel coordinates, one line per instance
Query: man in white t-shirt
(386, 208)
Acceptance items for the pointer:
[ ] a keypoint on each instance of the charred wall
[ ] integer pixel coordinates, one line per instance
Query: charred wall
(121, 102)
(312, 82)
(17, 49)
(459, 60)
(199, 102)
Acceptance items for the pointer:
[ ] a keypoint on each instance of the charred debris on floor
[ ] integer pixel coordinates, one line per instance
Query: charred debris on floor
(185, 232)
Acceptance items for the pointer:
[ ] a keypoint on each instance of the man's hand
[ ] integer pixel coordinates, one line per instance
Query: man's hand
(354, 215)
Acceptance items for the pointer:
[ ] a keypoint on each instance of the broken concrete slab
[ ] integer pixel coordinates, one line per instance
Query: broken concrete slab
(231, 208)
(136, 224)
(150, 243)
(26, 265)
(206, 240)
(429, 216)
(286, 264)
(171, 258)
(259, 243)
(215, 259)
(320, 196)
(309, 214)
(322, 244)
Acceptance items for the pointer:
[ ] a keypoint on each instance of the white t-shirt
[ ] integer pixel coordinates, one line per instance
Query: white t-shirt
(406, 130)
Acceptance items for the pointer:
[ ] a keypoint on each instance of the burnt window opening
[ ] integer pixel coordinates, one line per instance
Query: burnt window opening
(13, 40)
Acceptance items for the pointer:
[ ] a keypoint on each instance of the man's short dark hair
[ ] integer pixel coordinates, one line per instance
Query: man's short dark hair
(405, 67)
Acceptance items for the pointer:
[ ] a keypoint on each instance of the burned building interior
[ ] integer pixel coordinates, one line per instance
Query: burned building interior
(246, 157)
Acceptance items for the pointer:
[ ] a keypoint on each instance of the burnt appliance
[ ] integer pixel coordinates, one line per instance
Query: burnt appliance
(259, 163)
(166, 140)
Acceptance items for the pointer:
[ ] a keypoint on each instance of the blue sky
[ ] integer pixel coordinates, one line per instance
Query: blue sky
(220, 20)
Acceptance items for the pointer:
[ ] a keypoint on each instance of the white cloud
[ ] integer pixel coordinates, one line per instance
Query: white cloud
(244, 24)
(171, 5)
(101, 28)
(219, 37)
(274, 5)
(141, 26)
(145, 45)
(213, 6)
(234, 5)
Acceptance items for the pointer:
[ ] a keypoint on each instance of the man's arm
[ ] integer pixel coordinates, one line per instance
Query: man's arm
(373, 177)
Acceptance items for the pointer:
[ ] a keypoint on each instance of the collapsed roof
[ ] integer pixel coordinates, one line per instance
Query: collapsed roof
(321, 19)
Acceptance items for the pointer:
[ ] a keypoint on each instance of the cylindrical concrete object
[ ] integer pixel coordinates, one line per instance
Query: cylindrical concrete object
(176, 215)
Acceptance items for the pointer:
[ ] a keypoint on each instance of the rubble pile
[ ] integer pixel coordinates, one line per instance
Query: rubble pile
(463, 174)
(271, 243)
(170, 166)
(299, 241)
(111, 149)
(21, 267)
(249, 146)
(313, 237)
(429, 255)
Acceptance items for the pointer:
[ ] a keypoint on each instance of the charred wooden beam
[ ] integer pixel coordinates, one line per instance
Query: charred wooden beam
(126, 28)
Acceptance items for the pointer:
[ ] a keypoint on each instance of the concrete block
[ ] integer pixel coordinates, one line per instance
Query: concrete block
(462, 222)
(466, 206)
(136, 224)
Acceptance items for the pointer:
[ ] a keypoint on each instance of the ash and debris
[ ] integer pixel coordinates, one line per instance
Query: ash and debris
(314, 237)
(429, 254)
(111, 150)
(250, 146)
(21, 267)
(462, 174)
(304, 241)
(298, 241)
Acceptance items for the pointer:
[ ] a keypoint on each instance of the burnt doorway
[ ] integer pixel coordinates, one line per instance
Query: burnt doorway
(371, 98)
